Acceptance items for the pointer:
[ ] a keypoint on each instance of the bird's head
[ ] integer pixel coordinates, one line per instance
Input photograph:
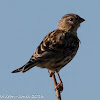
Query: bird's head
(70, 22)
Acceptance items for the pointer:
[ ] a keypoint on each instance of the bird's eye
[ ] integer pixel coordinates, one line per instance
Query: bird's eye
(71, 19)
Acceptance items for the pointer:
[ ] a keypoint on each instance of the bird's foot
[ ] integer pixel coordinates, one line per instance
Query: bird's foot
(51, 73)
(59, 86)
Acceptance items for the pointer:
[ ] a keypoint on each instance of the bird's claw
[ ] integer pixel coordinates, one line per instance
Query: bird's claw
(59, 86)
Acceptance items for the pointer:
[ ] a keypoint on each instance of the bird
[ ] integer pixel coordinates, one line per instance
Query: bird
(57, 48)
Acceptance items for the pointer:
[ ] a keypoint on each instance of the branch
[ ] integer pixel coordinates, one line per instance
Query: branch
(57, 90)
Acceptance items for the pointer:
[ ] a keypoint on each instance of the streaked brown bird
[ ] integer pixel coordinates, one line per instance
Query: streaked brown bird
(57, 48)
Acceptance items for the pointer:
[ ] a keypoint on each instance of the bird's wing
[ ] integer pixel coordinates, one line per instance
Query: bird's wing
(54, 42)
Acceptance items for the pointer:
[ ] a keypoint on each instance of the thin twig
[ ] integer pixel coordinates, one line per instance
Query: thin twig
(57, 90)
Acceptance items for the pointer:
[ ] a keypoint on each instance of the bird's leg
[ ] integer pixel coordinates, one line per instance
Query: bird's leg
(51, 73)
(60, 84)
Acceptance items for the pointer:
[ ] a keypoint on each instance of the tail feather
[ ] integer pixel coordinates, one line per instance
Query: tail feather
(25, 68)
(17, 70)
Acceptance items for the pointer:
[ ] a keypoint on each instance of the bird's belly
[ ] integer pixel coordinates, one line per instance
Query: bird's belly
(58, 62)
(61, 63)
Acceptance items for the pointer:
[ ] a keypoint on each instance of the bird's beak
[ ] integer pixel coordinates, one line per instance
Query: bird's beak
(82, 20)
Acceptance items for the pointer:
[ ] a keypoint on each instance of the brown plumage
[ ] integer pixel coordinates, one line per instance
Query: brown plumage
(58, 47)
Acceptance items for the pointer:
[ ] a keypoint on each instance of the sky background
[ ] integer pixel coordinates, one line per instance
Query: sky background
(23, 25)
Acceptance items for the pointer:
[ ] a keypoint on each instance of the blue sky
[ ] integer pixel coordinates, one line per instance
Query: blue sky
(23, 25)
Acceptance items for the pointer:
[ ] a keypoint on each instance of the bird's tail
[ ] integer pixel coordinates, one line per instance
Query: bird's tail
(25, 68)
